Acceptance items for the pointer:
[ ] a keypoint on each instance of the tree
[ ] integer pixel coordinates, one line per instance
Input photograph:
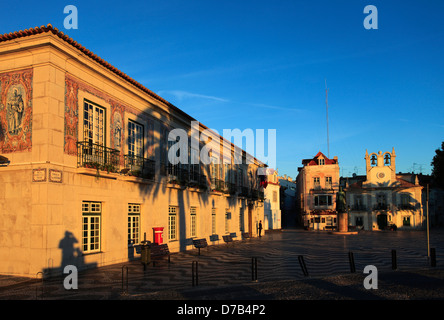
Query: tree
(438, 167)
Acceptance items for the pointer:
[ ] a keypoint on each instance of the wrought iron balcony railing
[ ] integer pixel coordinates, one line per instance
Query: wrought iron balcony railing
(381, 206)
(243, 191)
(359, 207)
(178, 174)
(139, 166)
(91, 155)
(197, 179)
(217, 185)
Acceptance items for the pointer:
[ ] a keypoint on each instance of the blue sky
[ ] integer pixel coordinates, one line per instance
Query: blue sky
(263, 65)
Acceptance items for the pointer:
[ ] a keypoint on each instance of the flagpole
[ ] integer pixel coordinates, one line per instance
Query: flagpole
(326, 102)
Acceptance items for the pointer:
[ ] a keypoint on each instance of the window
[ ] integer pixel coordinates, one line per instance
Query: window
(322, 201)
(93, 124)
(241, 219)
(133, 223)
(240, 178)
(91, 214)
(135, 139)
(227, 221)
(328, 184)
(405, 202)
(172, 223)
(321, 162)
(227, 173)
(274, 196)
(193, 221)
(316, 182)
(381, 202)
(406, 221)
(359, 221)
(359, 203)
(213, 221)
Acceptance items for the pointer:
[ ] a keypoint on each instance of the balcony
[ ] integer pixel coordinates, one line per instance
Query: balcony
(139, 167)
(217, 185)
(257, 195)
(177, 174)
(95, 156)
(197, 180)
(359, 207)
(243, 192)
(230, 188)
(406, 206)
(381, 206)
(100, 158)
(186, 176)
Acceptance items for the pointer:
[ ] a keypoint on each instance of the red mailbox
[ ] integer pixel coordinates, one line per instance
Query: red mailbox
(158, 235)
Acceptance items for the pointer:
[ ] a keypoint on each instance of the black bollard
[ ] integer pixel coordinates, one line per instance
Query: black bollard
(194, 273)
(124, 268)
(253, 269)
(394, 260)
(351, 260)
(432, 257)
(303, 266)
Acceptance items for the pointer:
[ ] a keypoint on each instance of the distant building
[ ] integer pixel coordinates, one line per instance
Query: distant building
(288, 201)
(317, 184)
(382, 198)
(272, 209)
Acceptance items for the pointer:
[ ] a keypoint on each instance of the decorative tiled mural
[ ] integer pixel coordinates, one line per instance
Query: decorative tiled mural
(16, 111)
(71, 116)
(116, 127)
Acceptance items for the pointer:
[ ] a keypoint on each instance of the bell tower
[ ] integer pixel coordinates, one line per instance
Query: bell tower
(380, 168)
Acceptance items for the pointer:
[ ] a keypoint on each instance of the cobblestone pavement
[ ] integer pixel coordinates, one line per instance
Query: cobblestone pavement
(225, 271)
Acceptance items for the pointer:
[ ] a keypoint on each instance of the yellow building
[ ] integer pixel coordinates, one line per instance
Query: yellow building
(88, 174)
(384, 199)
(317, 184)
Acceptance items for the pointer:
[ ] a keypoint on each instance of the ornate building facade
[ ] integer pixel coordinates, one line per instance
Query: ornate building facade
(384, 199)
(87, 174)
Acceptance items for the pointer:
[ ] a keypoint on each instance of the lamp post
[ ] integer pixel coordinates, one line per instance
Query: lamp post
(428, 226)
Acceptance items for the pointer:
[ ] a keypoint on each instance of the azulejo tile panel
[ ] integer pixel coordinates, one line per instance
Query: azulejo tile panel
(16, 111)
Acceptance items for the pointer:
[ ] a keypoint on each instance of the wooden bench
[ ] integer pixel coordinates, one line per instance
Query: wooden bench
(227, 238)
(200, 243)
(160, 251)
(246, 235)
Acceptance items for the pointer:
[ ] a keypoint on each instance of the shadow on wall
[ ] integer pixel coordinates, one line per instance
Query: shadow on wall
(71, 255)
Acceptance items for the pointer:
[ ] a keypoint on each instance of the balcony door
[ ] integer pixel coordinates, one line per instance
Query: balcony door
(93, 124)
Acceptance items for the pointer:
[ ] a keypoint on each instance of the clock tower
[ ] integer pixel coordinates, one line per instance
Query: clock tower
(380, 168)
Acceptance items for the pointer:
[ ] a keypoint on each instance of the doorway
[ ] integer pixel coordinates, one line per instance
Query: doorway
(382, 221)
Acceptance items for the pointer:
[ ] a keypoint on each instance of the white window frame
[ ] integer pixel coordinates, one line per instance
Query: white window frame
(135, 139)
(193, 222)
(94, 123)
(91, 226)
(172, 223)
(213, 221)
(227, 221)
(133, 223)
